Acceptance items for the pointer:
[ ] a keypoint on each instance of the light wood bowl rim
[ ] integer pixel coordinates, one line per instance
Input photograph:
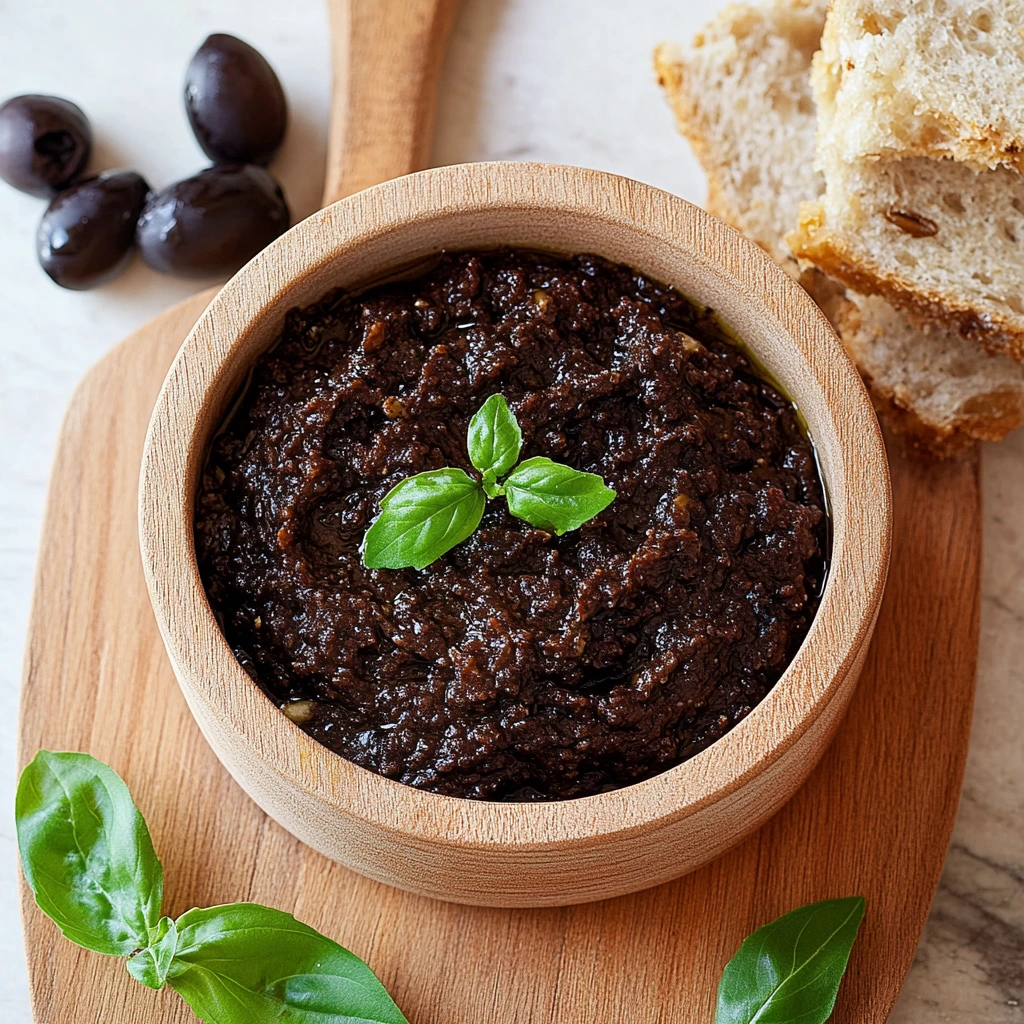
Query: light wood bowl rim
(195, 643)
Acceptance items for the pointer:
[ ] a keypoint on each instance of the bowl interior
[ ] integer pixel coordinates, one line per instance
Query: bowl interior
(375, 233)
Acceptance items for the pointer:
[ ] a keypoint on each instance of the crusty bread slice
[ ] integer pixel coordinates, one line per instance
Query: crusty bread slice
(939, 240)
(941, 391)
(938, 78)
(742, 95)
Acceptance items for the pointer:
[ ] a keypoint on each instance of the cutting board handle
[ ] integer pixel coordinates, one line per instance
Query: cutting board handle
(387, 59)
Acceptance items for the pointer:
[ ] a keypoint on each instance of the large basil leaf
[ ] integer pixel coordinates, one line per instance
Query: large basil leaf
(554, 497)
(87, 854)
(248, 964)
(788, 972)
(494, 441)
(423, 517)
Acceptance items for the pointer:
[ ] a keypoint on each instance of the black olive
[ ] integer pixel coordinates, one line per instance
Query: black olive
(210, 224)
(235, 102)
(44, 143)
(87, 234)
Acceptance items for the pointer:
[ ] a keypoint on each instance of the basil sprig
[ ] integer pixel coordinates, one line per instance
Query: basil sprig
(89, 859)
(428, 514)
(789, 971)
(87, 854)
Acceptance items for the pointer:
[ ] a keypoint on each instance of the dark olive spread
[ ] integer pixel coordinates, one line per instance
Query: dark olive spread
(520, 665)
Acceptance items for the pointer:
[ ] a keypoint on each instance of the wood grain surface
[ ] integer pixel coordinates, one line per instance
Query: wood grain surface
(874, 817)
(387, 60)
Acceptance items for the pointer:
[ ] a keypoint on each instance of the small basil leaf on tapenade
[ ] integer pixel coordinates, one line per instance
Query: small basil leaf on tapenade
(428, 514)
(248, 964)
(151, 965)
(788, 972)
(423, 517)
(554, 497)
(494, 441)
(87, 854)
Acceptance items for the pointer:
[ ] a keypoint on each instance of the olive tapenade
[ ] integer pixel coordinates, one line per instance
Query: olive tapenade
(520, 665)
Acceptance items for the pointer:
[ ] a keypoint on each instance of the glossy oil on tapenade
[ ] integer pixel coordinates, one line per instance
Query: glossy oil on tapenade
(520, 665)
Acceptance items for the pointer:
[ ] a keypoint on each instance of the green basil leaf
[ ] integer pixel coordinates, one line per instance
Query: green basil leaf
(495, 440)
(247, 964)
(554, 497)
(423, 517)
(150, 965)
(788, 972)
(87, 854)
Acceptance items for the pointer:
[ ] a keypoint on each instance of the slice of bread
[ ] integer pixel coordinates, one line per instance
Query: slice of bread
(938, 78)
(939, 240)
(941, 392)
(742, 95)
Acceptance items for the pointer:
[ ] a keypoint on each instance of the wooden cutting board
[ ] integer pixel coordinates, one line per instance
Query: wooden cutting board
(874, 818)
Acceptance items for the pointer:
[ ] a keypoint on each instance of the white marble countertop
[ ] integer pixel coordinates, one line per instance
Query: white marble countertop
(564, 80)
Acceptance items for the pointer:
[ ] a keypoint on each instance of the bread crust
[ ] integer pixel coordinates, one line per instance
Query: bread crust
(812, 241)
(984, 149)
(950, 440)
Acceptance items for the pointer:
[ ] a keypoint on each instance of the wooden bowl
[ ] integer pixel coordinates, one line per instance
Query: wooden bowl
(506, 854)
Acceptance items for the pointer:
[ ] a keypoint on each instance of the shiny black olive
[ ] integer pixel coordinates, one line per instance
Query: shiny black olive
(210, 224)
(87, 234)
(44, 143)
(235, 102)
